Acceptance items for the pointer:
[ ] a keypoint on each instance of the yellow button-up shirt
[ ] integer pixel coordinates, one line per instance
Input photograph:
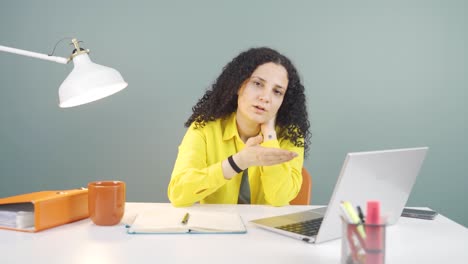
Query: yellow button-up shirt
(198, 176)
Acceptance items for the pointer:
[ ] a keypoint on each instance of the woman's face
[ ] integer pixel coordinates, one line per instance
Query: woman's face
(260, 96)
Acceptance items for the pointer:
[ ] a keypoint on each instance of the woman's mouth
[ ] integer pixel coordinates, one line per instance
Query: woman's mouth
(259, 108)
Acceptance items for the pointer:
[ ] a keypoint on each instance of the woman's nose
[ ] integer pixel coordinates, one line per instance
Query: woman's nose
(265, 97)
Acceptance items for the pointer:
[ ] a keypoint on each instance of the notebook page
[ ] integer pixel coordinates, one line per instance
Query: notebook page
(216, 222)
(168, 220)
(160, 220)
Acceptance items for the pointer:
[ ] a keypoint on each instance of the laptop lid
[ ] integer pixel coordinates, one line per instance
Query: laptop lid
(387, 176)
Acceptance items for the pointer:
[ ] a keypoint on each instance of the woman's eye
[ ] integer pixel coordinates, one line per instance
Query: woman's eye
(257, 83)
(278, 92)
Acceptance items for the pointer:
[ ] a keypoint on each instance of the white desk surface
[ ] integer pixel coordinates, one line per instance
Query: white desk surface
(409, 241)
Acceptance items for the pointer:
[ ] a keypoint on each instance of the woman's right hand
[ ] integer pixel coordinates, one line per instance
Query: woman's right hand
(255, 155)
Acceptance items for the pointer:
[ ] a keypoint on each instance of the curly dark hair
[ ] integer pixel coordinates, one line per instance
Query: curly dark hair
(221, 100)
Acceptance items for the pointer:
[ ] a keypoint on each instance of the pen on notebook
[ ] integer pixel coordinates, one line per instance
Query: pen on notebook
(185, 219)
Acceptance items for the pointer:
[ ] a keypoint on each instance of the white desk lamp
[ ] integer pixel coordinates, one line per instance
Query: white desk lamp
(86, 83)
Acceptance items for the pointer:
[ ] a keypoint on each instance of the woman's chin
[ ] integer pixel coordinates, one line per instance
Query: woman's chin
(258, 118)
(258, 121)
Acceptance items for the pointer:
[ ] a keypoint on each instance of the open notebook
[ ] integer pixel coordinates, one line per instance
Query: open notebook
(169, 220)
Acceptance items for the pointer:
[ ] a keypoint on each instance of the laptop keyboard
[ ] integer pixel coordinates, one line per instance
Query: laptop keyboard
(306, 228)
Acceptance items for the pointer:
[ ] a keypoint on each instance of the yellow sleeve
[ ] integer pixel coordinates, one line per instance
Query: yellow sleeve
(192, 178)
(282, 182)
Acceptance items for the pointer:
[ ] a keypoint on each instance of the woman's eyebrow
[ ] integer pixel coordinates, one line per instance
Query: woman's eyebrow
(260, 78)
(263, 80)
(280, 87)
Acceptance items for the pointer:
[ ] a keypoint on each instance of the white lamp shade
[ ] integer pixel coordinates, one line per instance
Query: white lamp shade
(89, 82)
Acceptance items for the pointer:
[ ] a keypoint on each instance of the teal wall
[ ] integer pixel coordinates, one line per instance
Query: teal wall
(377, 76)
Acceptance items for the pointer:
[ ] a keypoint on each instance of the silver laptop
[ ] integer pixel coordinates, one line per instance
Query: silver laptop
(387, 176)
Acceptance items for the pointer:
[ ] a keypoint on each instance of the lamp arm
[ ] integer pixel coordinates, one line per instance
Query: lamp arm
(34, 55)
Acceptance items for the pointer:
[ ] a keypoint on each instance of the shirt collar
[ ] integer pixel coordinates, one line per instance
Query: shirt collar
(230, 129)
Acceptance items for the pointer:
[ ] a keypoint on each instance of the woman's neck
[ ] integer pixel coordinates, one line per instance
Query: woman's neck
(246, 129)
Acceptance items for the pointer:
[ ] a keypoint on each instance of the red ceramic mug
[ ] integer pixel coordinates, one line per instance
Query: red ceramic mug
(106, 202)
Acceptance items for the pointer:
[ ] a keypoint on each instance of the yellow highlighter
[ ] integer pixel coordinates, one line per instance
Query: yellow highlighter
(354, 217)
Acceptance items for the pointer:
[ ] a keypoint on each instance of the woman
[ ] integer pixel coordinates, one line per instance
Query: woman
(246, 137)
